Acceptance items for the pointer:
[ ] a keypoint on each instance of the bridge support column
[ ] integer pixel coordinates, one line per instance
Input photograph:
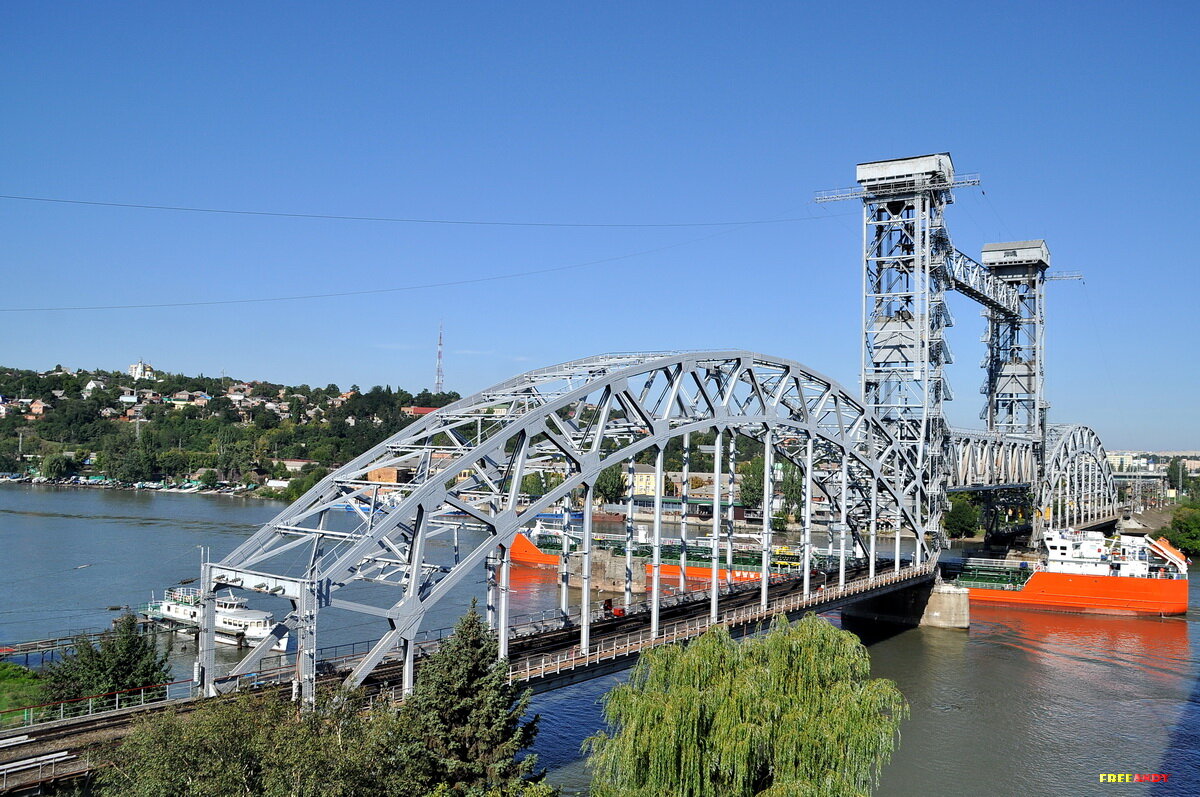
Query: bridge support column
(683, 511)
(493, 591)
(731, 517)
(806, 515)
(874, 528)
(768, 492)
(410, 666)
(715, 545)
(207, 638)
(502, 625)
(306, 644)
(842, 527)
(936, 605)
(629, 539)
(656, 571)
(585, 610)
(896, 530)
(564, 569)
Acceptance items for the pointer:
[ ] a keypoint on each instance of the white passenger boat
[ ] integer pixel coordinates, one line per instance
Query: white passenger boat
(236, 624)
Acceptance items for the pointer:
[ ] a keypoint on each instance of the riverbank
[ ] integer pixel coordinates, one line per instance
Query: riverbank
(156, 487)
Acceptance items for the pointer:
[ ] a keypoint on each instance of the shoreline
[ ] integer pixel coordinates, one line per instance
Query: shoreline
(135, 488)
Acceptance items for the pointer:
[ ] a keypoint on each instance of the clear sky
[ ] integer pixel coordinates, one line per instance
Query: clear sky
(1081, 118)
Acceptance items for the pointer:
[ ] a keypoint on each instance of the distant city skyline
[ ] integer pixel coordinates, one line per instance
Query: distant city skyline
(1081, 125)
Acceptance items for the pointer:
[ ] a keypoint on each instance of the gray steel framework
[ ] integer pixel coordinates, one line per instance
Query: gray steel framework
(979, 458)
(1077, 486)
(404, 546)
(909, 263)
(1015, 363)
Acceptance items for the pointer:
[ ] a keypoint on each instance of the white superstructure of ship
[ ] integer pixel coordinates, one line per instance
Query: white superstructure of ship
(236, 623)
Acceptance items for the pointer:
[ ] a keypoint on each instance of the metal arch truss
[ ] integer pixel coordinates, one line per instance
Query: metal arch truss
(979, 458)
(389, 537)
(1077, 486)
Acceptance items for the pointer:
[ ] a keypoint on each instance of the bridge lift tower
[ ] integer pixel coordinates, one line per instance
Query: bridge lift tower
(906, 254)
(1015, 364)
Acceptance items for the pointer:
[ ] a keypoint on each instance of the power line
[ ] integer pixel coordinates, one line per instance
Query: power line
(389, 219)
(404, 288)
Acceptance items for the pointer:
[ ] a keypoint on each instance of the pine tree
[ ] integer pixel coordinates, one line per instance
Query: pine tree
(465, 718)
(124, 659)
(793, 712)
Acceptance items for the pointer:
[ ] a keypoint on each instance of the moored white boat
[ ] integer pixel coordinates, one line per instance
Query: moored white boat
(236, 623)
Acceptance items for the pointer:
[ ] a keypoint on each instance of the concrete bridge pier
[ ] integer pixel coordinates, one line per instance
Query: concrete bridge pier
(937, 605)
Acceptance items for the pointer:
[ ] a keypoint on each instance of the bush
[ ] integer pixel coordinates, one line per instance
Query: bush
(19, 686)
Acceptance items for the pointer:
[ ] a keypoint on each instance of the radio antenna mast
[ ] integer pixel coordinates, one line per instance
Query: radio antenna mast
(437, 382)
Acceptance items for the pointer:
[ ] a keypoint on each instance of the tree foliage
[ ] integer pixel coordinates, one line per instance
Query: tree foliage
(610, 484)
(1184, 531)
(466, 719)
(258, 745)
(459, 733)
(963, 518)
(750, 491)
(793, 712)
(124, 659)
(57, 466)
(792, 488)
(307, 423)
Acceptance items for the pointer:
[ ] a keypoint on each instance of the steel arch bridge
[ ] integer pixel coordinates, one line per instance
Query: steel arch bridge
(391, 548)
(1077, 486)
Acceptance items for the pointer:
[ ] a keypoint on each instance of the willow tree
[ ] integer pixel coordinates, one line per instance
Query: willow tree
(793, 712)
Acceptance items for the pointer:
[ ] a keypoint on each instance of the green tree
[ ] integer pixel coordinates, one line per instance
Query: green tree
(963, 518)
(466, 718)
(57, 466)
(304, 482)
(751, 483)
(1184, 531)
(124, 659)
(610, 484)
(793, 712)
(792, 488)
(260, 745)
(208, 478)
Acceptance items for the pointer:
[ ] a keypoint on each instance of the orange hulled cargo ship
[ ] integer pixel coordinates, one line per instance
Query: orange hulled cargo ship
(1129, 573)
(545, 553)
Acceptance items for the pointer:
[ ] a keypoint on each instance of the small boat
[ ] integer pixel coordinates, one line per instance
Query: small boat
(236, 623)
(1128, 573)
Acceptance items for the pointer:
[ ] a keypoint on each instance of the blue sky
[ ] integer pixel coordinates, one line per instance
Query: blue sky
(1083, 125)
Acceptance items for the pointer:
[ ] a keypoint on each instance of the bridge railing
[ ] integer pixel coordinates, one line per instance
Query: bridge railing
(544, 665)
(94, 704)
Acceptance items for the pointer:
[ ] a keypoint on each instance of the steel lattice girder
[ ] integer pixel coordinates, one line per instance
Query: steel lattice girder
(469, 459)
(980, 458)
(1077, 484)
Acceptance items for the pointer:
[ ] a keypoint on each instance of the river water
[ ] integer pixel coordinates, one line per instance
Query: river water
(1024, 703)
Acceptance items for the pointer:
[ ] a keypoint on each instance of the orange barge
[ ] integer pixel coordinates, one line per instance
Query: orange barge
(1087, 572)
(525, 552)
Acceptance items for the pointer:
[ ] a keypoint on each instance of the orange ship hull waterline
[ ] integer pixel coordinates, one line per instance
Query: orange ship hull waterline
(1092, 594)
(524, 552)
